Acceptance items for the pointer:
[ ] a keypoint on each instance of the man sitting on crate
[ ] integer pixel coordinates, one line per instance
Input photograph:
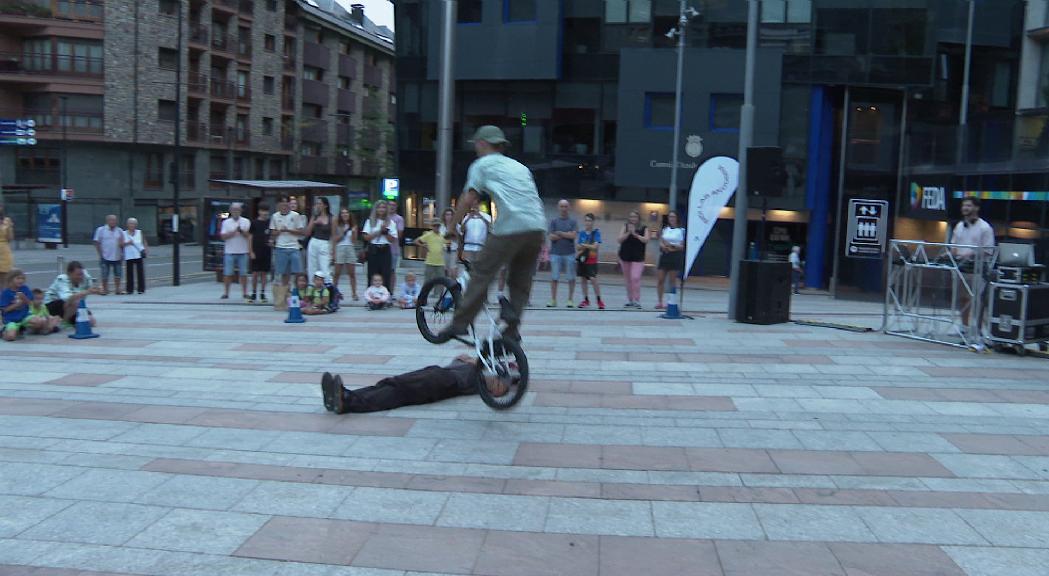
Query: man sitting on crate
(517, 234)
(425, 386)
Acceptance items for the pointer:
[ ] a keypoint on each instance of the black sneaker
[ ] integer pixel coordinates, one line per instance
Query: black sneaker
(328, 390)
(262, 299)
(338, 401)
(252, 299)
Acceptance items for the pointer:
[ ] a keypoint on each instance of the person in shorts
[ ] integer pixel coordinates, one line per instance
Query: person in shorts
(108, 240)
(286, 228)
(236, 234)
(433, 242)
(587, 246)
(562, 233)
(261, 253)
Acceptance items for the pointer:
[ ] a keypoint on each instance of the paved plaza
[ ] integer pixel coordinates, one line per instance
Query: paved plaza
(190, 439)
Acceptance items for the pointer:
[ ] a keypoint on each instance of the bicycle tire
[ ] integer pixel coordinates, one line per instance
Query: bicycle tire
(504, 348)
(432, 306)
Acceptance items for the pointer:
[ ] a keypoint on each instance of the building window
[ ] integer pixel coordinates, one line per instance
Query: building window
(167, 58)
(154, 176)
(267, 126)
(268, 84)
(628, 11)
(659, 111)
(786, 11)
(724, 112)
(243, 90)
(83, 57)
(345, 82)
(168, 7)
(470, 11)
(166, 110)
(310, 149)
(311, 73)
(314, 35)
(312, 111)
(271, 5)
(519, 11)
(269, 43)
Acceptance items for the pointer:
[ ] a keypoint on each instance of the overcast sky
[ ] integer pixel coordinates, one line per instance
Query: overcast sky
(380, 11)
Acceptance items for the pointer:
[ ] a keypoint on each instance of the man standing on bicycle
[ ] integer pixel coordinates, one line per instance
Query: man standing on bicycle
(517, 234)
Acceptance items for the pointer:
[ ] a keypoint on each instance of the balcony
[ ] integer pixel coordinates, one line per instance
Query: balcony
(316, 55)
(291, 22)
(343, 166)
(197, 132)
(289, 65)
(223, 43)
(33, 64)
(197, 85)
(315, 92)
(313, 165)
(347, 101)
(244, 48)
(347, 66)
(242, 137)
(243, 93)
(373, 76)
(78, 10)
(223, 89)
(314, 130)
(198, 35)
(344, 135)
(50, 121)
(287, 103)
(246, 8)
(287, 143)
(226, 5)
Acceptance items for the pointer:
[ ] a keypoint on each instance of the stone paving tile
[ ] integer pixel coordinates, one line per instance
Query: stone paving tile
(741, 558)
(108, 485)
(918, 526)
(1009, 528)
(84, 379)
(293, 499)
(819, 523)
(986, 561)
(706, 520)
(591, 516)
(307, 540)
(31, 479)
(454, 550)
(894, 560)
(385, 505)
(523, 554)
(22, 512)
(198, 492)
(199, 531)
(96, 523)
(626, 556)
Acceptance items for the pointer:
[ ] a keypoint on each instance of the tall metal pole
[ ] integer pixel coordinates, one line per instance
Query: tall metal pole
(963, 113)
(840, 210)
(682, 24)
(446, 87)
(746, 137)
(176, 196)
(65, 163)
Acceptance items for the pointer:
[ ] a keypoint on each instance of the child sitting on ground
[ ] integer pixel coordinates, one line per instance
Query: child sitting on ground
(14, 305)
(317, 297)
(37, 309)
(409, 292)
(377, 296)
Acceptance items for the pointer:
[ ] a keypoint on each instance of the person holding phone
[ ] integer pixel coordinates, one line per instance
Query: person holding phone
(379, 232)
(633, 240)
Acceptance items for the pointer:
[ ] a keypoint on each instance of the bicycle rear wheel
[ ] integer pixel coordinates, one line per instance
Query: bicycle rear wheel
(503, 385)
(437, 303)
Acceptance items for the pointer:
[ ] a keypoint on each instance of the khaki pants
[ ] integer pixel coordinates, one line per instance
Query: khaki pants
(519, 253)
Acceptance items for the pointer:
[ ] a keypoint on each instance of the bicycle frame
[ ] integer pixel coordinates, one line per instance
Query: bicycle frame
(494, 327)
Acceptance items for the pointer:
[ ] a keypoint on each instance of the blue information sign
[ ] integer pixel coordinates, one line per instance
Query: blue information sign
(17, 132)
(49, 223)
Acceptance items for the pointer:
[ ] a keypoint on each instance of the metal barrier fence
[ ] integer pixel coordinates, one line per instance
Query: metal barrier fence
(937, 292)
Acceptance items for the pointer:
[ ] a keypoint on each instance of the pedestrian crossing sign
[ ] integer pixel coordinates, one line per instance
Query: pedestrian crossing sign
(868, 228)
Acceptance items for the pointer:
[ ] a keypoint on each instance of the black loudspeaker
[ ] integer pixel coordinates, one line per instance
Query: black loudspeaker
(766, 174)
(764, 292)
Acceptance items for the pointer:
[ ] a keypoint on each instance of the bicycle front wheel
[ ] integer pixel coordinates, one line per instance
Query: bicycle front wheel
(503, 377)
(438, 300)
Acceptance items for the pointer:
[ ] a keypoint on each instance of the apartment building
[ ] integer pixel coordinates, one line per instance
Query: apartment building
(270, 89)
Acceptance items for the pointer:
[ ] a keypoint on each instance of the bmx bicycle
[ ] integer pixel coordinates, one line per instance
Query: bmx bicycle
(498, 357)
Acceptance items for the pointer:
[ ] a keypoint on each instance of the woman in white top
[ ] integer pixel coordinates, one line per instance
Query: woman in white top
(450, 231)
(345, 252)
(134, 244)
(672, 257)
(379, 231)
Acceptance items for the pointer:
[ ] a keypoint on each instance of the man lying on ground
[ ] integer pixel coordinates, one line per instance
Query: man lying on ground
(425, 386)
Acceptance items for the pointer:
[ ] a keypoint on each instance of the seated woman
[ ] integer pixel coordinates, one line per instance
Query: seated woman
(316, 298)
(15, 301)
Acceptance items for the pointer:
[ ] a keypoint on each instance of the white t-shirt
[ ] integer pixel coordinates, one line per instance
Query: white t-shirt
(674, 236)
(475, 233)
(795, 260)
(454, 245)
(289, 221)
(375, 227)
(979, 233)
(238, 243)
(133, 251)
(347, 237)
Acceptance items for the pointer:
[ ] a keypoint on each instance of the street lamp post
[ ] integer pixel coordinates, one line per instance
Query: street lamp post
(65, 162)
(446, 105)
(746, 137)
(684, 14)
(177, 179)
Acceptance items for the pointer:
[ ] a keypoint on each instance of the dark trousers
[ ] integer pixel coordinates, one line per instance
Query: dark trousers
(380, 261)
(135, 268)
(519, 253)
(430, 384)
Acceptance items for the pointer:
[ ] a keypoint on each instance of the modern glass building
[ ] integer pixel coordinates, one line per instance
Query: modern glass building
(585, 91)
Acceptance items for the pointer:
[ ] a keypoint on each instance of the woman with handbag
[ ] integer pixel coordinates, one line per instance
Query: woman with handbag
(345, 255)
(379, 232)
